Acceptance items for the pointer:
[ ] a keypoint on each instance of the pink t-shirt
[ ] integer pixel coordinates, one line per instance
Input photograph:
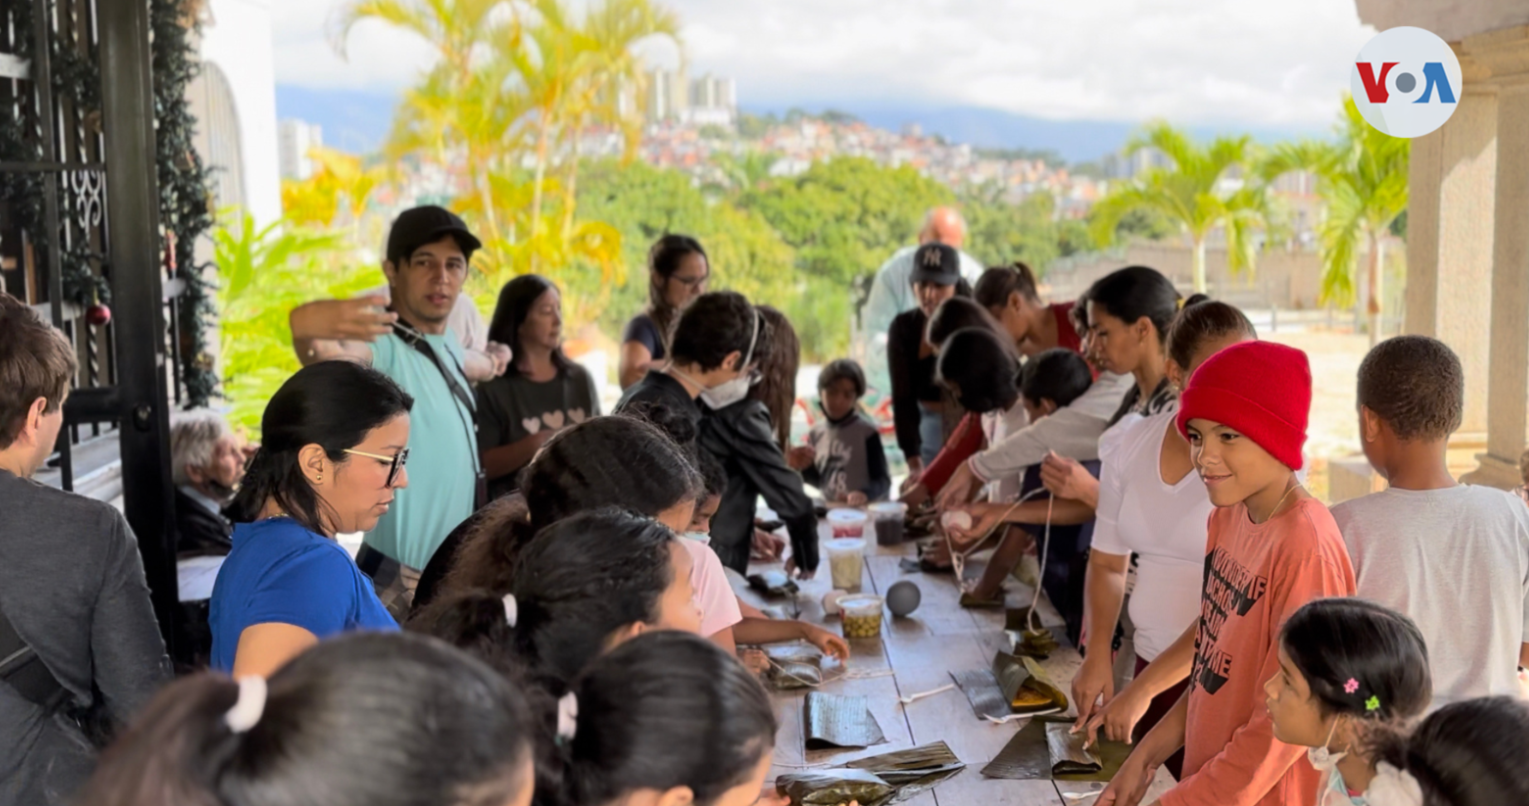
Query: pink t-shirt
(713, 596)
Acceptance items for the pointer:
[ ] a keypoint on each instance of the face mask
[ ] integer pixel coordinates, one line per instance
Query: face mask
(700, 537)
(726, 394)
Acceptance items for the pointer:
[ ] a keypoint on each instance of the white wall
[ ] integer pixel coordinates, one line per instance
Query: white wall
(238, 39)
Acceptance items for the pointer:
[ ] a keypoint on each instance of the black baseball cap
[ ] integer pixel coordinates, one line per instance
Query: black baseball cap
(418, 226)
(937, 264)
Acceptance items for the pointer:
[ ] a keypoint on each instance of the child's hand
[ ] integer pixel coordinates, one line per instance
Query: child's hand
(825, 641)
(984, 520)
(798, 573)
(1118, 717)
(767, 547)
(1129, 785)
(801, 457)
(770, 797)
(855, 499)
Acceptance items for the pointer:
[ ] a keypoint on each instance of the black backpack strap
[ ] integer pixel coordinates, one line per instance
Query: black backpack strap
(412, 337)
(22, 670)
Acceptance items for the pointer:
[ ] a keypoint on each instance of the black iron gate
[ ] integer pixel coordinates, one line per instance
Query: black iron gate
(80, 239)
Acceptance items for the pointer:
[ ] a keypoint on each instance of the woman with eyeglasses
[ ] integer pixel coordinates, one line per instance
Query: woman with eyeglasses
(678, 271)
(334, 442)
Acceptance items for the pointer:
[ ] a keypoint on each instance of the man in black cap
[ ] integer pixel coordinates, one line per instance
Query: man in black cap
(918, 401)
(409, 341)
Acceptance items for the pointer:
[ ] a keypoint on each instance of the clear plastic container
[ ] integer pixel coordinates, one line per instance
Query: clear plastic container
(862, 616)
(847, 522)
(888, 518)
(846, 562)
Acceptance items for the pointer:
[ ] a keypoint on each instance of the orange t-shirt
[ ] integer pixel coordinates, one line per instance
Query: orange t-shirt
(1256, 575)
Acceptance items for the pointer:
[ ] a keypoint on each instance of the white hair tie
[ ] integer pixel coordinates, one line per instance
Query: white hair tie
(1394, 787)
(567, 717)
(250, 705)
(511, 610)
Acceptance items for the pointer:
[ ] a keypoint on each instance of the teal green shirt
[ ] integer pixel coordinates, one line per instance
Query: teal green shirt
(443, 455)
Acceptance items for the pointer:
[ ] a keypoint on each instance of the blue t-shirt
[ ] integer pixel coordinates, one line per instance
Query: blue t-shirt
(279, 572)
(443, 452)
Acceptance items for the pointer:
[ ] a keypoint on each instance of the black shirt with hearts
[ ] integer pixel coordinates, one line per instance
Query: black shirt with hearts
(514, 407)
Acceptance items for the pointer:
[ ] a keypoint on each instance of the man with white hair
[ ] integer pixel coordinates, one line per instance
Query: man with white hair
(207, 464)
(892, 290)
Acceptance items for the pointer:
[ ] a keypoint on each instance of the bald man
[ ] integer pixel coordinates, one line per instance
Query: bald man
(892, 290)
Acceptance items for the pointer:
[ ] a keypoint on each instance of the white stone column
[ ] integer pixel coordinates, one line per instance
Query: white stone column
(1449, 237)
(1505, 53)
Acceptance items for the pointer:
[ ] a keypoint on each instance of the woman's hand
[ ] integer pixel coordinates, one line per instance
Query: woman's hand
(800, 573)
(825, 641)
(1066, 478)
(1129, 785)
(1119, 716)
(855, 499)
(1093, 688)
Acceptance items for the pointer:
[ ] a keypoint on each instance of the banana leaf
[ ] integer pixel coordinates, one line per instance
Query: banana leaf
(1033, 755)
(836, 721)
(795, 667)
(981, 690)
(773, 583)
(913, 771)
(1026, 685)
(1068, 755)
(834, 787)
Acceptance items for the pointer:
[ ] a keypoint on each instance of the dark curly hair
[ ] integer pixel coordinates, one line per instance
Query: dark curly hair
(1415, 384)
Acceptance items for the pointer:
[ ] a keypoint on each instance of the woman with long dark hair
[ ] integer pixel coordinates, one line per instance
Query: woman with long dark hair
(366, 720)
(334, 440)
(746, 438)
(541, 392)
(678, 270)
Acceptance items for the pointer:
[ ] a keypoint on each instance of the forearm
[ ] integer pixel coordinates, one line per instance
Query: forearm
(768, 631)
(507, 459)
(1063, 512)
(1105, 588)
(1169, 668)
(477, 366)
(1167, 736)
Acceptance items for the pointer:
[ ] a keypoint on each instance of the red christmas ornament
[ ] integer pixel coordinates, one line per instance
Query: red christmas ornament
(98, 315)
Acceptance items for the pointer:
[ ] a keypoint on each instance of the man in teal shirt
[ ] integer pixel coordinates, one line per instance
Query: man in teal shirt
(426, 263)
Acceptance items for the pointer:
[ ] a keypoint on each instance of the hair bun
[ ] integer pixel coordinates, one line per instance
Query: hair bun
(1195, 299)
(681, 429)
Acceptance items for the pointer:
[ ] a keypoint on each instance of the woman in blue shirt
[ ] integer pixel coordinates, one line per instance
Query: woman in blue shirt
(333, 445)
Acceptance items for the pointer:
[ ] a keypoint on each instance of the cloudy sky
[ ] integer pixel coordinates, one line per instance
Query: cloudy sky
(1191, 61)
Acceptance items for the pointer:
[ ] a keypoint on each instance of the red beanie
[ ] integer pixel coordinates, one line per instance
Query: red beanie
(1260, 389)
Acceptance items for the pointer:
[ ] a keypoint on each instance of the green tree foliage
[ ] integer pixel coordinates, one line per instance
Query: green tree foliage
(1191, 193)
(1362, 180)
(266, 273)
(845, 216)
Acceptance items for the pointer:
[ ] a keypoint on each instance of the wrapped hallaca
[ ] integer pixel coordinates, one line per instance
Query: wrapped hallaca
(834, 787)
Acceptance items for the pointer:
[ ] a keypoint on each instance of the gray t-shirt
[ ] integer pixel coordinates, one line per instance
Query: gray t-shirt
(1457, 562)
(513, 407)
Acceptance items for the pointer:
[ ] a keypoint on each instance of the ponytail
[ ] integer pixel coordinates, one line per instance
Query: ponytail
(1202, 320)
(998, 284)
(662, 711)
(1470, 753)
(446, 724)
(1136, 292)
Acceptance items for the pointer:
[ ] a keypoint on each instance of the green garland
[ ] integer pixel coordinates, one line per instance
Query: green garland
(185, 206)
(184, 189)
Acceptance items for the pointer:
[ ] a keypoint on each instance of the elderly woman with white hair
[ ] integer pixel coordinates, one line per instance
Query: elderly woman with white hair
(207, 464)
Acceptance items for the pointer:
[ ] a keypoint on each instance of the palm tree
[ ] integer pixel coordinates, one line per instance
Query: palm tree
(455, 28)
(1362, 181)
(1195, 192)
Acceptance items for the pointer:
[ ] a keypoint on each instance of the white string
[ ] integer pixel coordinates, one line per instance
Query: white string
(844, 674)
(958, 558)
(1045, 546)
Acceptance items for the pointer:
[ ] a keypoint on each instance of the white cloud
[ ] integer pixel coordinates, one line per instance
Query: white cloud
(1191, 61)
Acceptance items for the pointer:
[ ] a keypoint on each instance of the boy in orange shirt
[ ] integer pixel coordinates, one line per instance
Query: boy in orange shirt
(1272, 547)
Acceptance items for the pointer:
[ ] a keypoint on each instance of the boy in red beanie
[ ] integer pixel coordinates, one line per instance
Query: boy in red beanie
(1271, 548)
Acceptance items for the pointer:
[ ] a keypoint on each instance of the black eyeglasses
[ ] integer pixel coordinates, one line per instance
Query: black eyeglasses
(395, 463)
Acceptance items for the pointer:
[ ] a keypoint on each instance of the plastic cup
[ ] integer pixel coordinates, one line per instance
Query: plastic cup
(862, 616)
(847, 522)
(846, 562)
(888, 517)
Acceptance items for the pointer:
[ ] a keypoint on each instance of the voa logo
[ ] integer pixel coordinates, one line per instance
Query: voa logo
(1406, 82)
